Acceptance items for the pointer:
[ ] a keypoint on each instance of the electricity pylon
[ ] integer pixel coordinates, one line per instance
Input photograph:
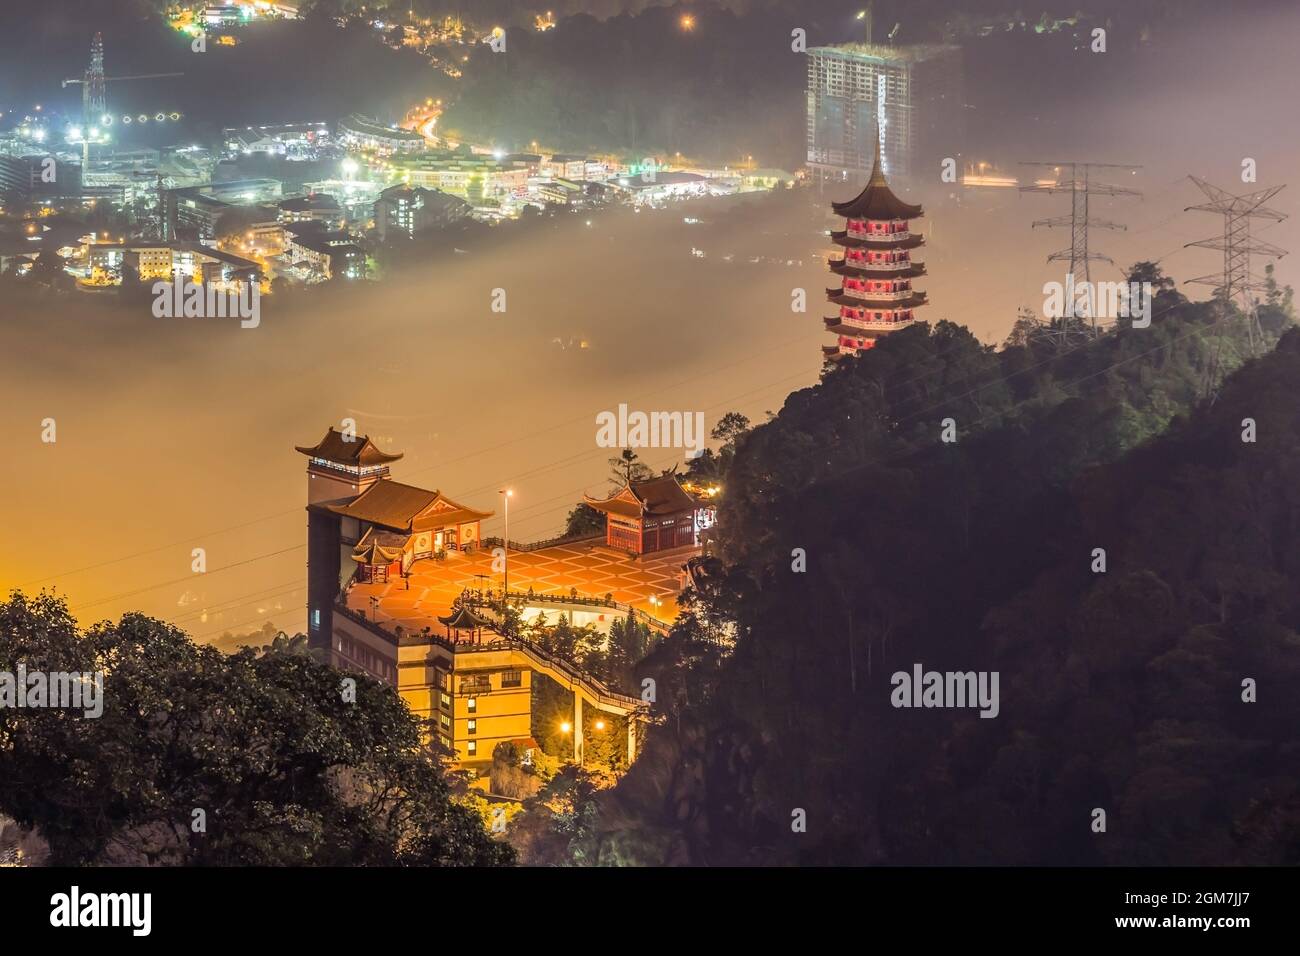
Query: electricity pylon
(1236, 283)
(1080, 185)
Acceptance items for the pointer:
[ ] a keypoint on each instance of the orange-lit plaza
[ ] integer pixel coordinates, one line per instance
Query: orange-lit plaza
(649, 583)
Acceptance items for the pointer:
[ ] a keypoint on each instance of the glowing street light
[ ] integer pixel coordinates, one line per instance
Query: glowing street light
(506, 495)
(687, 22)
(600, 725)
(565, 727)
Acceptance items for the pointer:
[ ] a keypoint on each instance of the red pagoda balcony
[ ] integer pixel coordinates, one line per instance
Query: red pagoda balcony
(900, 265)
(869, 296)
(859, 230)
(878, 265)
(888, 322)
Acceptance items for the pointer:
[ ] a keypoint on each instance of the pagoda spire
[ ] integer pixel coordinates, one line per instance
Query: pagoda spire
(877, 173)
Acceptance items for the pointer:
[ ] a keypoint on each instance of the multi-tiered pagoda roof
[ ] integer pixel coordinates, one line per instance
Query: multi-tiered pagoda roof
(875, 295)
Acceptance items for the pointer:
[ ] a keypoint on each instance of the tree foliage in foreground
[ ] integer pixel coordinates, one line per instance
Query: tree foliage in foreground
(284, 770)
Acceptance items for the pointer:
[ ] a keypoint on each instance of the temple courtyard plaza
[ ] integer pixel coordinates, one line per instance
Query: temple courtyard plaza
(649, 583)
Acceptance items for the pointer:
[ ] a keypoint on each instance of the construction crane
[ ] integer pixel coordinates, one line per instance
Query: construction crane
(138, 76)
(94, 98)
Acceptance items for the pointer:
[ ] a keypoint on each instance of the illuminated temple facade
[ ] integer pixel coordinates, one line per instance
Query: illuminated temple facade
(653, 515)
(876, 269)
(374, 550)
(384, 526)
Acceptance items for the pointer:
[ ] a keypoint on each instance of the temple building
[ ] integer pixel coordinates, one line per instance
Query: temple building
(652, 515)
(875, 296)
(469, 684)
(364, 526)
(341, 467)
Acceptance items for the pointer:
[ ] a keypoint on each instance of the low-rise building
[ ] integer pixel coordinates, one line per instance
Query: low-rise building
(355, 196)
(315, 255)
(474, 179)
(563, 192)
(198, 208)
(314, 207)
(364, 132)
(150, 263)
(563, 166)
(293, 141)
(405, 211)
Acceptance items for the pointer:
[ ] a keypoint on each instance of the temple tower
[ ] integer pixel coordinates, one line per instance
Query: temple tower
(340, 467)
(876, 270)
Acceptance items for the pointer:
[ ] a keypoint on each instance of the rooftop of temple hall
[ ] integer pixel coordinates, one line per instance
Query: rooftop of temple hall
(403, 507)
(663, 495)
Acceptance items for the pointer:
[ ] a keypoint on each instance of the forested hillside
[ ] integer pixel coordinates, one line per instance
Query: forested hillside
(1120, 690)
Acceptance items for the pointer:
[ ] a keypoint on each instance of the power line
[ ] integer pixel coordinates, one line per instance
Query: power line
(189, 579)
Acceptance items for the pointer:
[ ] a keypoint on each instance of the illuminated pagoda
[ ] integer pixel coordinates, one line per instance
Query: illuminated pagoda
(876, 295)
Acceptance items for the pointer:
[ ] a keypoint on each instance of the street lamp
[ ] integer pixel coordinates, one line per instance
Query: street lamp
(507, 494)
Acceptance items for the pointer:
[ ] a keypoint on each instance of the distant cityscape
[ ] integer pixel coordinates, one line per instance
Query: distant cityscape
(189, 209)
(186, 210)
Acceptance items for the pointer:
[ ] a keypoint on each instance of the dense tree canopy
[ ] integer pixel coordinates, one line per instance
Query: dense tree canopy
(203, 758)
(1120, 690)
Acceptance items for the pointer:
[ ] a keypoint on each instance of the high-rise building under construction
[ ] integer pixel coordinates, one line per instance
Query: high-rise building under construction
(909, 97)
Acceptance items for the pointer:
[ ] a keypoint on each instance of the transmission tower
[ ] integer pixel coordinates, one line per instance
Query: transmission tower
(1235, 285)
(1080, 185)
(1062, 332)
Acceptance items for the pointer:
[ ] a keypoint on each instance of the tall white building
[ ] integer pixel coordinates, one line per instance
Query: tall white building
(910, 97)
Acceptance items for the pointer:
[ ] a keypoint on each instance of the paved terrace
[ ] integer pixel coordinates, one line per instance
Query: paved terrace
(550, 572)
